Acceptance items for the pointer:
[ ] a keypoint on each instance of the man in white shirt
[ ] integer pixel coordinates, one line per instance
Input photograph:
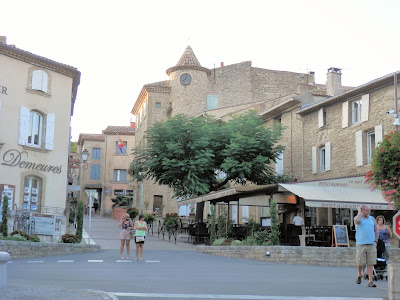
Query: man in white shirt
(298, 220)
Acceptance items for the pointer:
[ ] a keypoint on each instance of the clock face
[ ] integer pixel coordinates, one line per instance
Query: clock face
(185, 79)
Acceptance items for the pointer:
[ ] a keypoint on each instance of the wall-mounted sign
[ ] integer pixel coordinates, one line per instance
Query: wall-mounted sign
(13, 158)
(123, 192)
(43, 224)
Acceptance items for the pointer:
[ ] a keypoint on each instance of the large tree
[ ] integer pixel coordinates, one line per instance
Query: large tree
(195, 156)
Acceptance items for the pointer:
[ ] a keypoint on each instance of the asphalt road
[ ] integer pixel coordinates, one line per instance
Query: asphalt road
(177, 274)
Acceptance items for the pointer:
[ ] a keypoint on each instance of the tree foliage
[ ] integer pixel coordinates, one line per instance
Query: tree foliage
(79, 221)
(385, 168)
(190, 154)
(273, 237)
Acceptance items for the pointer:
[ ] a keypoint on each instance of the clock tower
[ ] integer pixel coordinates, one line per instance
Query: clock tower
(189, 85)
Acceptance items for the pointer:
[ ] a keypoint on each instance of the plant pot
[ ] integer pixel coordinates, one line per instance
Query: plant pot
(118, 212)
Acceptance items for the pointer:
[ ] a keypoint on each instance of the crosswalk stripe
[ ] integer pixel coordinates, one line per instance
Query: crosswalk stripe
(34, 261)
(124, 261)
(65, 261)
(152, 261)
(249, 297)
(95, 260)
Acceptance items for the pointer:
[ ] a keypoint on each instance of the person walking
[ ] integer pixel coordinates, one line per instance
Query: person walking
(385, 234)
(141, 227)
(366, 240)
(125, 235)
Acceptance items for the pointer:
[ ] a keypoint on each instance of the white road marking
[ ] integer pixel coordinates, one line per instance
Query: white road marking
(34, 261)
(95, 260)
(152, 261)
(85, 236)
(65, 261)
(10, 262)
(124, 261)
(249, 297)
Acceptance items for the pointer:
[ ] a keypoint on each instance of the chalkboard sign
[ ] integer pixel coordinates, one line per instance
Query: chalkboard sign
(340, 236)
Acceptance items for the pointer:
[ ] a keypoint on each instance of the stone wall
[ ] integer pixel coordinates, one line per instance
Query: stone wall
(320, 256)
(30, 249)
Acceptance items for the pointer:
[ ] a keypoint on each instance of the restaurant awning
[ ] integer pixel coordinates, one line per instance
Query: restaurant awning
(337, 193)
(250, 195)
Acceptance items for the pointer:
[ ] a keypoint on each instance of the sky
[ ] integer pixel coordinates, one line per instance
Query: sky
(121, 45)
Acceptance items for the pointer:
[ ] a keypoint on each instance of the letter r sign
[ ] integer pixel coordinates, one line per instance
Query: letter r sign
(396, 224)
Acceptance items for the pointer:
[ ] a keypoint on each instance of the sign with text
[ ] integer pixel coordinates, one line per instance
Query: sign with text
(340, 236)
(43, 224)
(396, 224)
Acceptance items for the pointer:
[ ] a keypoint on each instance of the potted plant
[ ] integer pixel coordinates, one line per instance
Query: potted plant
(149, 218)
(120, 206)
(171, 221)
(133, 212)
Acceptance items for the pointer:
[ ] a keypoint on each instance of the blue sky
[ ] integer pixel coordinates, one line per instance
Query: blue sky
(121, 45)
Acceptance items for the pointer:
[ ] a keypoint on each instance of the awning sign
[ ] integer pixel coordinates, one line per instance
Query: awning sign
(344, 205)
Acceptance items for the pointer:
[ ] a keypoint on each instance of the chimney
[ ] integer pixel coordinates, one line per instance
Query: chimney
(303, 88)
(222, 64)
(3, 40)
(133, 126)
(311, 78)
(334, 82)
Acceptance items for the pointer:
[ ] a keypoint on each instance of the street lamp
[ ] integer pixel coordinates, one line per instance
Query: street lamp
(84, 158)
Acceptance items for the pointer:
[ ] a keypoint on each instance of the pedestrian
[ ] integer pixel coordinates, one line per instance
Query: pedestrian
(95, 205)
(385, 234)
(125, 235)
(141, 227)
(366, 241)
(298, 220)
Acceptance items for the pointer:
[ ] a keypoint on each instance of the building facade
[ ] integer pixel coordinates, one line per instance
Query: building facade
(36, 104)
(107, 166)
(194, 90)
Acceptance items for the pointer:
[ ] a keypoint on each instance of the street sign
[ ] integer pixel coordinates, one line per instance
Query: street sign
(396, 224)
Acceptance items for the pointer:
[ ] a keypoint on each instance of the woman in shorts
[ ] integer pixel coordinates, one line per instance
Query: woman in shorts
(141, 227)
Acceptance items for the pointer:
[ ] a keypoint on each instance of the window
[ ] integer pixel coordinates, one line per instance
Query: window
(365, 144)
(245, 213)
(279, 164)
(212, 101)
(35, 129)
(158, 104)
(95, 172)
(121, 149)
(355, 111)
(32, 192)
(96, 153)
(322, 117)
(370, 144)
(40, 81)
(321, 157)
(31, 131)
(119, 175)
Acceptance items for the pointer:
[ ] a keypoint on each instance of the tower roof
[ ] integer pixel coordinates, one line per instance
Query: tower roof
(188, 61)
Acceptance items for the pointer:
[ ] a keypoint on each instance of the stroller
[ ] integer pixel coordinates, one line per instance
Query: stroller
(379, 271)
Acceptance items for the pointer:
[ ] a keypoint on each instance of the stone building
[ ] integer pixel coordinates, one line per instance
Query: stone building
(37, 97)
(194, 90)
(107, 166)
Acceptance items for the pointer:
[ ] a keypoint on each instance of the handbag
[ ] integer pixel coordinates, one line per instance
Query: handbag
(133, 232)
(139, 239)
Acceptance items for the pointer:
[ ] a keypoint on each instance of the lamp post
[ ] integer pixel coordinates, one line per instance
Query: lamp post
(84, 158)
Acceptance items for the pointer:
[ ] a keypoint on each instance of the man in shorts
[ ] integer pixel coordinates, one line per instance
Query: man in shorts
(366, 239)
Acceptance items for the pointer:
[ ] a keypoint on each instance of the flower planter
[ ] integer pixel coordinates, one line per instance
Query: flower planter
(118, 212)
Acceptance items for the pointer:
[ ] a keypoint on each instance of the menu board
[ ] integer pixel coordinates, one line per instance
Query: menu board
(340, 235)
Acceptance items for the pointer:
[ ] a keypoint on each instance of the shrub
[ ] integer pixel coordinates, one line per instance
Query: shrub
(120, 201)
(69, 238)
(79, 221)
(21, 233)
(149, 218)
(15, 237)
(236, 243)
(4, 226)
(273, 237)
(251, 227)
(218, 242)
(385, 168)
(133, 212)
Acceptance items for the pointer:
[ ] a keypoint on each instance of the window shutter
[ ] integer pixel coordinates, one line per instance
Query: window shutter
(359, 148)
(328, 156)
(212, 101)
(50, 122)
(321, 118)
(37, 80)
(364, 108)
(378, 134)
(23, 125)
(45, 79)
(314, 160)
(345, 114)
